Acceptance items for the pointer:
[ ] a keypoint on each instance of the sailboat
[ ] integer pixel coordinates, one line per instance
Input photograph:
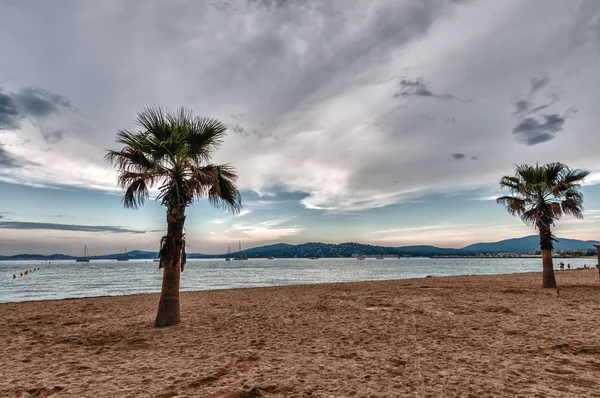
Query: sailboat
(228, 258)
(85, 258)
(124, 257)
(242, 256)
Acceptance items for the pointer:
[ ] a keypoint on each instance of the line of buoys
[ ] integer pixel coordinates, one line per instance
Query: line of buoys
(23, 273)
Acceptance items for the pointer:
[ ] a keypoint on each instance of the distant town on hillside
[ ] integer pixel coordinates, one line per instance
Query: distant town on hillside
(518, 247)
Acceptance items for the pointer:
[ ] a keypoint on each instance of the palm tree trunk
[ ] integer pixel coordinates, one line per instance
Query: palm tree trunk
(548, 279)
(548, 274)
(170, 260)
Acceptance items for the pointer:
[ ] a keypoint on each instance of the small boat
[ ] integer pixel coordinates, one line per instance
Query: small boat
(360, 257)
(124, 256)
(271, 258)
(85, 258)
(242, 256)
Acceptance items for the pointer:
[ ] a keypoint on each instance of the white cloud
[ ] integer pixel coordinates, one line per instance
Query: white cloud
(259, 231)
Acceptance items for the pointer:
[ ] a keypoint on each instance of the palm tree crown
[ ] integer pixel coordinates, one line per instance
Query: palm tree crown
(543, 194)
(173, 150)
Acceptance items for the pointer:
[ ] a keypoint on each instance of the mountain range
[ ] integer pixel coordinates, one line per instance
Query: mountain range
(525, 244)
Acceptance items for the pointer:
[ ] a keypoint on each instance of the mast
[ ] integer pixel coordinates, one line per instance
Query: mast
(240, 246)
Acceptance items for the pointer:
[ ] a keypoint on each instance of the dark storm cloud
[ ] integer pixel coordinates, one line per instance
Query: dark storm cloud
(458, 156)
(29, 102)
(38, 102)
(539, 108)
(9, 115)
(538, 83)
(532, 131)
(6, 159)
(65, 227)
(532, 128)
(521, 106)
(525, 107)
(53, 137)
(418, 88)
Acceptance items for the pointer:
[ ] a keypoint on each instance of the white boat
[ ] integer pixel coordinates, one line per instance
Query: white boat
(241, 256)
(125, 256)
(85, 258)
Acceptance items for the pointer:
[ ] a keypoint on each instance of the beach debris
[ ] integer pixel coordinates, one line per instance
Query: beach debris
(557, 292)
(42, 391)
(14, 276)
(252, 393)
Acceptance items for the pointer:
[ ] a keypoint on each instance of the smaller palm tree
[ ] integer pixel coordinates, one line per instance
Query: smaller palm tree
(172, 150)
(541, 195)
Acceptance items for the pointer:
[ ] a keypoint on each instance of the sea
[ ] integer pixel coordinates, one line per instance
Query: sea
(68, 279)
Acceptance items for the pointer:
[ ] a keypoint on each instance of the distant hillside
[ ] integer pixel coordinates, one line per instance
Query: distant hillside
(39, 257)
(315, 249)
(530, 243)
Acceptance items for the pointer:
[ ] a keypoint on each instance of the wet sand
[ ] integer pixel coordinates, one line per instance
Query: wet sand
(473, 336)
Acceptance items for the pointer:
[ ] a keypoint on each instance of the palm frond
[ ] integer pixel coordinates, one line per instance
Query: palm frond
(136, 193)
(512, 183)
(217, 184)
(206, 137)
(514, 205)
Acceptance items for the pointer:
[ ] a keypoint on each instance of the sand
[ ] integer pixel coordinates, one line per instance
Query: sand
(473, 336)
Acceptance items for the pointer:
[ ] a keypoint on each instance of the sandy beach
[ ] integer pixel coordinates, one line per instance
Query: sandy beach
(473, 336)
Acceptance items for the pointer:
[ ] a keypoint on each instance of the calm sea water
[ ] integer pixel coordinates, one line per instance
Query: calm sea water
(67, 279)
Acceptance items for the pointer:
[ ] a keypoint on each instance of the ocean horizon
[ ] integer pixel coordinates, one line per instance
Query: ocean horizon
(67, 279)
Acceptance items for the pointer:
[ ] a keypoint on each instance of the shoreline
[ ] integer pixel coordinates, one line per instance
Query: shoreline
(557, 271)
(484, 335)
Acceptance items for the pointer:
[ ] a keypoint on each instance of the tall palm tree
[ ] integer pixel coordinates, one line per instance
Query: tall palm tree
(172, 150)
(540, 196)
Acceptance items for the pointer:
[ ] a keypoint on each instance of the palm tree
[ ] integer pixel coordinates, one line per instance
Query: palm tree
(540, 196)
(172, 150)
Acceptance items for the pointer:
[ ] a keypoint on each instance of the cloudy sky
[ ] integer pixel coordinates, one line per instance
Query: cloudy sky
(382, 121)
